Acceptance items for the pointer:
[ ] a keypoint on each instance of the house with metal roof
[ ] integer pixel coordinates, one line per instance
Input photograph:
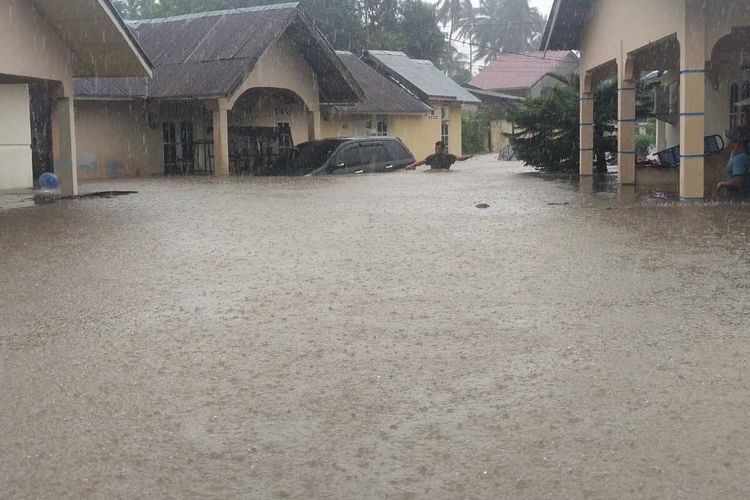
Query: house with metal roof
(386, 108)
(231, 91)
(529, 74)
(47, 43)
(445, 98)
(701, 51)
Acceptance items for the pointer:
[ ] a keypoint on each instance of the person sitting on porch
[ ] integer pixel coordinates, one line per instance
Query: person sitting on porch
(738, 169)
(440, 160)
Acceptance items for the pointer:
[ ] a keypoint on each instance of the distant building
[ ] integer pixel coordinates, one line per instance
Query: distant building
(386, 109)
(445, 98)
(232, 91)
(526, 75)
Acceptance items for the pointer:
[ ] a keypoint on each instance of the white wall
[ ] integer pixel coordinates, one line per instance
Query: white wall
(15, 138)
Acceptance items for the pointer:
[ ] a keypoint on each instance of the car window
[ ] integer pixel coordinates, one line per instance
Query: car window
(397, 150)
(374, 153)
(349, 157)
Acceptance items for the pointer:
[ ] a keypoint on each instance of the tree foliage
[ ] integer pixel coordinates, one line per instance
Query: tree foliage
(546, 130)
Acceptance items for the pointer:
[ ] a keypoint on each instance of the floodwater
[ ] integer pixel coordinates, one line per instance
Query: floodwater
(375, 337)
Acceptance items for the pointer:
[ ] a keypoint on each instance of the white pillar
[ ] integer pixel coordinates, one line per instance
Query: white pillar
(587, 126)
(64, 142)
(221, 138)
(692, 100)
(661, 135)
(626, 91)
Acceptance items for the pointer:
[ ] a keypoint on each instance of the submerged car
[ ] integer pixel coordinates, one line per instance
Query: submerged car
(351, 156)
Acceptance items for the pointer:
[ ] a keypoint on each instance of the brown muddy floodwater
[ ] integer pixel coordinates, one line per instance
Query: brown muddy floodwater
(374, 337)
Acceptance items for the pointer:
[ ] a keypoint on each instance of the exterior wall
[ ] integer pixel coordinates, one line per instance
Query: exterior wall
(114, 139)
(497, 139)
(418, 132)
(614, 28)
(547, 82)
(283, 67)
(15, 138)
(31, 47)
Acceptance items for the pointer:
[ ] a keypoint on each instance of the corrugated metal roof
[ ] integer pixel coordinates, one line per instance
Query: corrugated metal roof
(523, 71)
(419, 75)
(210, 54)
(381, 94)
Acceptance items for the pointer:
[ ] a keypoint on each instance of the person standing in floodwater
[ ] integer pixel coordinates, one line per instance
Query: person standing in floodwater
(738, 169)
(440, 160)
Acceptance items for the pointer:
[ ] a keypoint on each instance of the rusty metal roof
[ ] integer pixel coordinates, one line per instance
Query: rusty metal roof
(565, 25)
(509, 71)
(381, 95)
(210, 54)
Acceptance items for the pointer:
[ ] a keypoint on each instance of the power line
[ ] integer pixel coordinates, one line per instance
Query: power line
(500, 51)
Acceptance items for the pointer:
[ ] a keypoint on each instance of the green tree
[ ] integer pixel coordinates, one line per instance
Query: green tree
(546, 130)
(418, 27)
(502, 26)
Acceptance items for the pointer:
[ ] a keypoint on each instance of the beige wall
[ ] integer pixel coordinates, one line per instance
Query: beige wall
(15, 138)
(114, 139)
(497, 130)
(283, 67)
(269, 108)
(30, 47)
(418, 132)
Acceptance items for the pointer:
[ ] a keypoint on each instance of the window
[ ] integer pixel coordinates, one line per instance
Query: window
(178, 149)
(445, 127)
(373, 153)
(349, 157)
(382, 127)
(397, 150)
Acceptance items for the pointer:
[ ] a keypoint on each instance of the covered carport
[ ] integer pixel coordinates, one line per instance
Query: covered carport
(48, 43)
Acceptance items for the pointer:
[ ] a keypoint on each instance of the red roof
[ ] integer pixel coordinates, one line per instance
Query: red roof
(521, 71)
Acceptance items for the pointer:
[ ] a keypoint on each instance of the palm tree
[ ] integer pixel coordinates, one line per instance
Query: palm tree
(502, 26)
(453, 12)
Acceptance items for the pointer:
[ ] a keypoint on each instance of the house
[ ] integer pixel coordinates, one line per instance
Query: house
(527, 74)
(445, 98)
(699, 48)
(386, 109)
(232, 91)
(47, 43)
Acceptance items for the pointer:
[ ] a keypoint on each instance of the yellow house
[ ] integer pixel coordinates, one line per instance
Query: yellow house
(48, 43)
(700, 49)
(445, 98)
(232, 91)
(386, 109)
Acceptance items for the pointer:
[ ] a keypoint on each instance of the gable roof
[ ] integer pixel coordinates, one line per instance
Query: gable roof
(97, 36)
(565, 25)
(419, 76)
(210, 54)
(523, 71)
(381, 95)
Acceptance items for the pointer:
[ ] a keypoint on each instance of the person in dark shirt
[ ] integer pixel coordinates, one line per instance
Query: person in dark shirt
(440, 160)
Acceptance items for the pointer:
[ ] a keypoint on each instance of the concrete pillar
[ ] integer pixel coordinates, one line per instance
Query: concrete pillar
(221, 138)
(661, 135)
(626, 92)
(587, 126)
(692, 100)
(64, 145)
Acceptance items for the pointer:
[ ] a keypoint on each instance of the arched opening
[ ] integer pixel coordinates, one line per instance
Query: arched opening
(265, 124)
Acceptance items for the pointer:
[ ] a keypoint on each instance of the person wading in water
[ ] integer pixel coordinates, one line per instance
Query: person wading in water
(440, 160)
